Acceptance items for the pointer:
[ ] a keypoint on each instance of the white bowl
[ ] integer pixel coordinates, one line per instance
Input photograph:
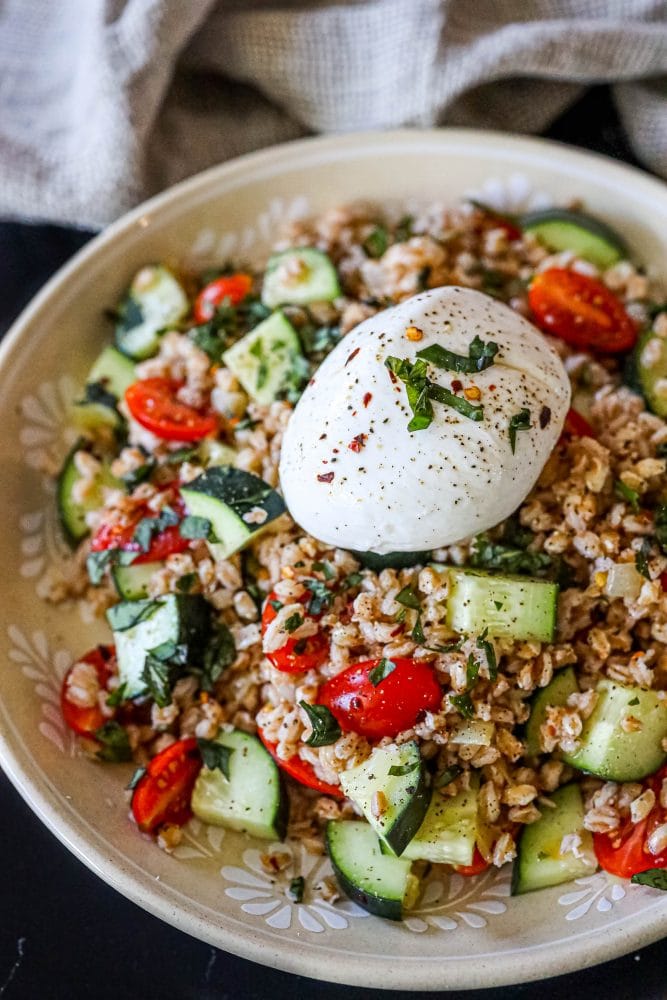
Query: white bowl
(465, 932)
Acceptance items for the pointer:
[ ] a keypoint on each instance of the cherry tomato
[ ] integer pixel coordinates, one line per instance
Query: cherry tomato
(577, 426)
(301, 770)
(297, 655)
(163, 794)
(232, 287)
(385, 708)
(624, 852)
(581, 311)
(85, 721)
(153, 403)
(477, 866)
(120, 536)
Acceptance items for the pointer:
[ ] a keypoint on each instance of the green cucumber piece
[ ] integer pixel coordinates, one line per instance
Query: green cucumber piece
(299, 276)
(650, 371)
(154, 302)
(405, 792)
(212, 452)
(224, 495)
(449, 832)
(252, 799)
(97, 411)
(114, 371)
(268, 360)
(606, 750)
(132, 581)
(589, 238)
(72, 513)
(380, 883)
(184, 619)
(391, 560)
(558, 690)
(514, 606)
(539, 862)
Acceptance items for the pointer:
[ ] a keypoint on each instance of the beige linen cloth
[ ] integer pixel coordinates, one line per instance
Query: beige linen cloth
(103, 102)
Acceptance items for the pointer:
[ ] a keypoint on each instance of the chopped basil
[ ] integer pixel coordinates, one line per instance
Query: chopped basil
(247, 424)
(519, 422)
(160, 669)
(325, 728)
(382, 670)
(353, 580)
(376, 242)
(474, 411)
(215, 755)
(319, 339)
(321, 597)
(642, 557)
(148, 527)
(463, 703)
(487, 554)
(417, 634)
(117, 697)
(276, 605)
(409, 598)
(115, 747)
(325, 569)
(490, 653)
(219, 654)
(184, 454)
(447, 776)
(626, 493)
(294, 622)
(97, 563)
(137, 775)
(481, 356)
(185, 583)
(472, 671)
(296, 888)
(127, 614)
(398, 770)
(209, 339)
(449, 647)
(140, 474)
(656, 878)
(634, 701)
(96, 392)
(660, 522)
(417, 388)
(193, 527)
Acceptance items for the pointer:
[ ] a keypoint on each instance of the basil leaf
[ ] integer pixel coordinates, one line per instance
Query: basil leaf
(294, 622)
(409, 598)
(382, 670)
(96, 392)
(148, 527)
(626, 493)
(487, 554)
(463, 703)
(215, 755)
(185, 583)
(184, 454)
(321, 597)
(219, 654)
(660, 522)
(353, 580)
(207, 337)
(127, 614)
(398, 770)
(519, 422)
(324, 568)
(296, 888)
(137, 775)
(655, 877)
(472, 671)
(97, 563)
(325, 728)
(447, 776)
(474, 411)
(417, 634)
(417, 386)
(115, 747)
(481, 357)
(490, 653)
(376, 242)
(117, 697)
(140, 474)
(642, 557)
(318, 339)
(276, 605)
(158, 676)
(192, 527)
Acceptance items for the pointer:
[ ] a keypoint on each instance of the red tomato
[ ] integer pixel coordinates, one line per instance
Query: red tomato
(625, 852)
(577, 426)
(297, 655)
(478, 865)
(232, 287)
(153, 403)
(581, 311)
(163, 794)
(301, 770)
(85, 721)
(386, 708)
(119, 536)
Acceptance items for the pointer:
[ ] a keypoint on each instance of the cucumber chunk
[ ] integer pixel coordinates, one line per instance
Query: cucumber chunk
(511, 606)
(393, 560)
(557, 691)
(403, 795)
(299, 276)
(609, 752)
(72, 512)
(114, 371)
(132, 581)
(650, 371)
(268, 360)
(212, 452)
(382, 884)
(154, 301)
(540, 862)
(97, 411)
(225, 496)
(140, 626)
(449, 832)
(559, 229)
(252, 799)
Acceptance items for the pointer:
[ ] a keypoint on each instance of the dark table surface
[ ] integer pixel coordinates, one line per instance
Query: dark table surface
(64, 934)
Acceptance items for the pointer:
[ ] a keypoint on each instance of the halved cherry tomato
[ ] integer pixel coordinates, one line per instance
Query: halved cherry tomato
(581, 311)
(163, 794)
(233, 287)
(297, 655)
(120, 536)
(385, 708)
(301, 770)
(153, 403)
(85, 721)
(477, 866)
(577, 426)
(624, 852)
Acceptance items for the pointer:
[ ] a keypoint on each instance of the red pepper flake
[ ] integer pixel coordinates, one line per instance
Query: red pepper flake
(492, 388)
(353, 355)
(326, 477)
(392, 376)
(456, 385)
(367, 398)
(357, 442)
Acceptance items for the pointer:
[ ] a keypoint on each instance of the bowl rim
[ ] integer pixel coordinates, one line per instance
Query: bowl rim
(496, 969)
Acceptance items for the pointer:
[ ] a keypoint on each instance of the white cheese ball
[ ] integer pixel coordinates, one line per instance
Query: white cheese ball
(354, 476)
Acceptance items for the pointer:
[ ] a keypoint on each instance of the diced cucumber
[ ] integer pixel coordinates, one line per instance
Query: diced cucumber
(391, 790)
(132, 581)
(560, 229)
(610, 752)
(226, 497)
(540, 861)
(212, 452)
(97, 411)
(140, 626)
(380, 883)
(557, 691)
(449, 832)
(72, 512)
(268, 359)
(392, 560)
(299, 276)
(252, 799)
(650, 371)
(512, 606)
(114, 371)
(154, 301)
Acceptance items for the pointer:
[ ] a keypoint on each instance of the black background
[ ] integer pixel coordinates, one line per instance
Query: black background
(65, 935)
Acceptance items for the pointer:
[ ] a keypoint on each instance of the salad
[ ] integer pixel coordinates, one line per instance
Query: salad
(379, 535)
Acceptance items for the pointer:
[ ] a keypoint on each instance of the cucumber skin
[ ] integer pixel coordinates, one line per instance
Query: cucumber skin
(66, 479)
(641, 380)
(404, 829)
(564, 682)
(379, 906)
(533, 221)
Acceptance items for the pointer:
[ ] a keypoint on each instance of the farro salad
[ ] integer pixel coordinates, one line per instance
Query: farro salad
(380, 536)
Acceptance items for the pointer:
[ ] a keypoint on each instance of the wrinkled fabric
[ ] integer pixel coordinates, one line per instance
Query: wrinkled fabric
(104, 102)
